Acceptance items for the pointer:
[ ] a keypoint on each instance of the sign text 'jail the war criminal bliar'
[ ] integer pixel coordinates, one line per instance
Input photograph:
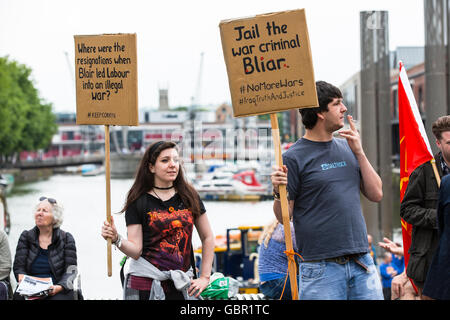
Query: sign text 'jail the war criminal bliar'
(269, 63)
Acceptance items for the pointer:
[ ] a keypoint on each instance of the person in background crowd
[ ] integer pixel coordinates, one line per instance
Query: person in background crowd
(401, 286)
(387, 272)
(5, 267)
(160, 212)
(396, 249)
(418, 207)
(46, 251)
(372, 251)
(398, 260)
(273, 262)
(437, 283)
(325, 177)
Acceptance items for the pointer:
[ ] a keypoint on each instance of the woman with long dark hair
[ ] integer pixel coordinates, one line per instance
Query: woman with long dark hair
(160, 211)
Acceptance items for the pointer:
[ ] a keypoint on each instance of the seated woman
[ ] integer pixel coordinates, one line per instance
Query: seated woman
(46, 251)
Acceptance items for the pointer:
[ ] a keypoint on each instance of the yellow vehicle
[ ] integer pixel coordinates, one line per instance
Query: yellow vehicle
(236, 256)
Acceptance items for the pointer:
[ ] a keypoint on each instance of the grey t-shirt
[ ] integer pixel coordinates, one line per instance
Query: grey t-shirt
(324, 180)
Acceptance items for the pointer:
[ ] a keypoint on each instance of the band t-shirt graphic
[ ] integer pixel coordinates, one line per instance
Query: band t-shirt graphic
(167, 231)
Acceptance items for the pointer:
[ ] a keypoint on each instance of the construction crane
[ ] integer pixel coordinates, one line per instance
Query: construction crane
(195, 100)
(72, 76)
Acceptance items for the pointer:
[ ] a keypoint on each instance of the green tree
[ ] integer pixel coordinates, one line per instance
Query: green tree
(281, 126)
(26, 122)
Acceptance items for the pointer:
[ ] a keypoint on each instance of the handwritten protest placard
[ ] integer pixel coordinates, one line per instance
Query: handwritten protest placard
(106, 79)
(269, 66)
(269, 63)
(107, 91)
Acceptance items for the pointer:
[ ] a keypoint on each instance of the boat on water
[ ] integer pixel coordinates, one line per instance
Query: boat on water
(88, 170)
(7, 181)
(225, 185)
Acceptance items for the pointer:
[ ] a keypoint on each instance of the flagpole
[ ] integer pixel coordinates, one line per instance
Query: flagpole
(413, 141)
(436, 172)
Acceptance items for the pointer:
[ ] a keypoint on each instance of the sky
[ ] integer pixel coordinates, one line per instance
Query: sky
(171, 35)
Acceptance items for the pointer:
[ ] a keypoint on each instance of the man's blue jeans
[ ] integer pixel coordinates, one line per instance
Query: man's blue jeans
(353, 280)
(272, 289)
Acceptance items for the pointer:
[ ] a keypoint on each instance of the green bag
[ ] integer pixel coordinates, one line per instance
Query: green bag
(220, 287)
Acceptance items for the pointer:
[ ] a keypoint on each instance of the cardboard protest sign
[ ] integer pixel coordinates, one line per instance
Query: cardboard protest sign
(106, 79)
(269, 63)
(106, 83)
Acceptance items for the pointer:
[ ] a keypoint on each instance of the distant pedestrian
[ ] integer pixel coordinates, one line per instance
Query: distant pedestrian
(273, 262)
(387, 271)
(372, 251)
(46, 251)
(325, 177)
(437, 284)
(396, 249)
(399, 262)
(401, 286)
(160, 212)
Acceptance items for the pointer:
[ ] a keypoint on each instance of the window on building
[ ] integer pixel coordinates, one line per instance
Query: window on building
(420, 101)
(395, 103)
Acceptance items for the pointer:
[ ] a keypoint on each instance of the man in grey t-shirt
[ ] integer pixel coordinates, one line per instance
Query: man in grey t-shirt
(324, 177)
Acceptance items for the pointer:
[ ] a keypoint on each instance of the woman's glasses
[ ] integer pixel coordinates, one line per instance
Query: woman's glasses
(51, 200)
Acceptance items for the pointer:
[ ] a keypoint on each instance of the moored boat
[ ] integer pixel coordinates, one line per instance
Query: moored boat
(91, 170)
(242, 186)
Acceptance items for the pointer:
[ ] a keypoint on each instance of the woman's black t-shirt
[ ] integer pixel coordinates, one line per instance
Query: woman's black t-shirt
(167, 231)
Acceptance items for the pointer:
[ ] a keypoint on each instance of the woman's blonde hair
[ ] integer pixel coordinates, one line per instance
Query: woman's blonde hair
(267, 233)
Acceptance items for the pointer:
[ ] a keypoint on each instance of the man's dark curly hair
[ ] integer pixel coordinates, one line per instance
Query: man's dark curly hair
(326, 92)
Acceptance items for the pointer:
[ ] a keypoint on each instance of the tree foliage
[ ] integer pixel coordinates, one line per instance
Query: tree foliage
(26, 121)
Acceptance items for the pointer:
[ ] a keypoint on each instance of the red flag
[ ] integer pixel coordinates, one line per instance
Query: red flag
(414, 145)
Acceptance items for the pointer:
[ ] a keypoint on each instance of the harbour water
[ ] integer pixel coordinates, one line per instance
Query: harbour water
(84, 202)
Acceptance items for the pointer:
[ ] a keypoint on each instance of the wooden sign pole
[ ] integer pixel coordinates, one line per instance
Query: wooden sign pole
(284, 207)
(108, 197)
(290, 66)
(107, 91)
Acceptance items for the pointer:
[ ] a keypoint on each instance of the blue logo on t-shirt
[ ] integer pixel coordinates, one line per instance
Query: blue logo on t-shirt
(328, 166)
